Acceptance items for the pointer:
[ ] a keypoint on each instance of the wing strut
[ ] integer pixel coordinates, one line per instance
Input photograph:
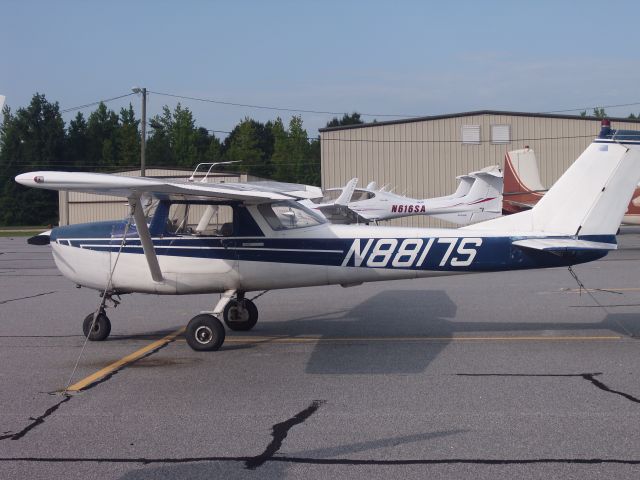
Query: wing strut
(145, 238)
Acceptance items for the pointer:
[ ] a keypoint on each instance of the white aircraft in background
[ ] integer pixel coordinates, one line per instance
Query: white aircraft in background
(274, 242)
(523, 188)
(2, 99)
(477, 198)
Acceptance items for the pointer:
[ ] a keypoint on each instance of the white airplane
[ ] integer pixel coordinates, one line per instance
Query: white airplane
(2, 99)
(477, 198)
(273, 242)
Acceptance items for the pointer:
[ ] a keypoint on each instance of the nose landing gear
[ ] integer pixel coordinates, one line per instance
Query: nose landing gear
(98, 329)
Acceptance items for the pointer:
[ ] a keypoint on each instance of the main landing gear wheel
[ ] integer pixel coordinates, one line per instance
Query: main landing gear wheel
(101, 327)
(205, 333)
(240, 315)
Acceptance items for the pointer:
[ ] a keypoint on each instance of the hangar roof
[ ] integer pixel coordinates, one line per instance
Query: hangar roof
(474, 113)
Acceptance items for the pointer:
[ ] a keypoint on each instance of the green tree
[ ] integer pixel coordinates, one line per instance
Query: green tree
(280, 158)
(299, 149)
(313, 168)
(158, 149)
(76, 142)
(599, 112)
(182, 137)
(128, 139)
(243, 146)
(102, 141)
(175, 140)
(353, 119)
(32, 139)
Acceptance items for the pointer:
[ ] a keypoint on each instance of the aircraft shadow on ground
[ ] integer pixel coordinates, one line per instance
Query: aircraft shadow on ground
(410, 316)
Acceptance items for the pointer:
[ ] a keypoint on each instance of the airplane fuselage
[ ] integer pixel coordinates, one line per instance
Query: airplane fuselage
(318, 255)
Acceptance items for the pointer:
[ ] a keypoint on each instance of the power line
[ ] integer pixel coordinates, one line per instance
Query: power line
(583, 109)
(300, 110)
(80, 107)
(281, 109)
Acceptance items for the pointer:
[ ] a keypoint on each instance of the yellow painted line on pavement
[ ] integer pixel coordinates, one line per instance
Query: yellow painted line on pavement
(109, 369)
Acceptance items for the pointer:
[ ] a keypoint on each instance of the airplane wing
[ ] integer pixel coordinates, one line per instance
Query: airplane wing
(106, 184)
(134, 187)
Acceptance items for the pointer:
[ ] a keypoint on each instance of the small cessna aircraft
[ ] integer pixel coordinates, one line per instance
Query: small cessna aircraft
(271, 241)
(477, 198)
(523, 188)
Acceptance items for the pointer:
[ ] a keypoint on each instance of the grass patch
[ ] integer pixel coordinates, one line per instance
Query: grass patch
(19, 233)
(27, 231)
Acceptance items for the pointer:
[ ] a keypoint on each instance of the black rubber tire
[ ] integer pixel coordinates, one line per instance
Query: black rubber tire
(101, 328)
(205, 333)
(240, 323)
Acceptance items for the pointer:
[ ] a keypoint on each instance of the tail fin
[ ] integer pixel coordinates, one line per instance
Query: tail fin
(589, 199)
(347, 192)
(522, 186)
(487, 186)
(466, 181)
(483, 200)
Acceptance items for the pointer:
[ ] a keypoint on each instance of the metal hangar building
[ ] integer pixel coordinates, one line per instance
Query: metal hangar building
(421, 157)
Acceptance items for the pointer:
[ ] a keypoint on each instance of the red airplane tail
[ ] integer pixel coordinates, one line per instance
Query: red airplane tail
(522, 186)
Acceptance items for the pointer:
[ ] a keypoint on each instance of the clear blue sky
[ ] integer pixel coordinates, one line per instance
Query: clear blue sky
(393, 57)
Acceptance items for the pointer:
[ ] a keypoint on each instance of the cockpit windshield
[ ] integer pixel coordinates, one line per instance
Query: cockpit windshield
(287, 215)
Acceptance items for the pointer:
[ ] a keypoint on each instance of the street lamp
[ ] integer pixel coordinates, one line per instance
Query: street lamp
(143, 127)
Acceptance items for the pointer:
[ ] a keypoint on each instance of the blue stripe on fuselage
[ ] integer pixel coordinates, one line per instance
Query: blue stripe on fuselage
(439, 253)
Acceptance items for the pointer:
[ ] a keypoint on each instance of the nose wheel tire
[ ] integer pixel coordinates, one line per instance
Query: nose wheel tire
(205, 333)
(99, 330)
(240, 316)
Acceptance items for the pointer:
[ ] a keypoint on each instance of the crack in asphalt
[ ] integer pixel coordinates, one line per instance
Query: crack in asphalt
(36, 421)
(279, 432)
(586, 376)
(331, 461)
(40, 420)
(2, 302)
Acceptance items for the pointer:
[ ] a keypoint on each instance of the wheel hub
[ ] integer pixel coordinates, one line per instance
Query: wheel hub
(238, 314)
(204, 335)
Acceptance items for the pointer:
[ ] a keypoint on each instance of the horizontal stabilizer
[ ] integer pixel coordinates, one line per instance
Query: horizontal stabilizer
(562, 244)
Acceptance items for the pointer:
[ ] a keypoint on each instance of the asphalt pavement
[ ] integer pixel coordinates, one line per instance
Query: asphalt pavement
(509, 375)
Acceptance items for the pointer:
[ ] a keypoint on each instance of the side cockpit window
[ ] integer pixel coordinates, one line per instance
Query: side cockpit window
(200, 220)
(288, 215)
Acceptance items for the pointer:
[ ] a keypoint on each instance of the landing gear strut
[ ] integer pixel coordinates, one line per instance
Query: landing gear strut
(205, 332)
(99, 329)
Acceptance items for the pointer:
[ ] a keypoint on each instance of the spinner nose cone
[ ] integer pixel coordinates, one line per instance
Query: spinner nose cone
(43, 238)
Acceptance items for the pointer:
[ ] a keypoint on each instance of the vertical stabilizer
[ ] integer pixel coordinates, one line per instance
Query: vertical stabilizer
(522, 185)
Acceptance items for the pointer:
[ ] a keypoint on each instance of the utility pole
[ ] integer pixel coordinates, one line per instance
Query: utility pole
(143, 128)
